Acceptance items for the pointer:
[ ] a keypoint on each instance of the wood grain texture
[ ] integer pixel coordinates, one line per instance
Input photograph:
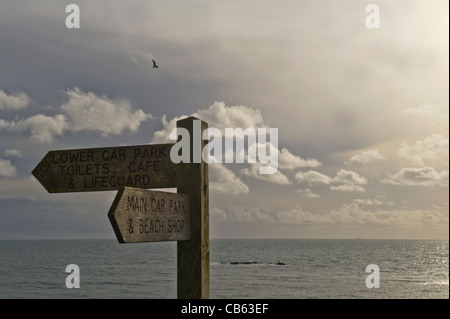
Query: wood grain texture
(140, 215)
(193, 255)
(104, 169)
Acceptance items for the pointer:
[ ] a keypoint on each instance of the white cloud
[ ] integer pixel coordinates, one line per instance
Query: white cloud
(368, 202)
(13, 153)
(7, 169)
(365, 157)
(163, 135)
(348, 178)
(88, 112)
(307, 193)
(312, 178)
(433, 150)
(344, 181)
(287, 160)
(83, 111)
(224, 181)
(277, 177)
(219, 116)
(424, 176)
(42, 128)
(14, 101)
(347, 188)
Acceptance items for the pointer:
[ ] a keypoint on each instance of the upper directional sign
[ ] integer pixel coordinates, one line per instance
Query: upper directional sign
(110, 168)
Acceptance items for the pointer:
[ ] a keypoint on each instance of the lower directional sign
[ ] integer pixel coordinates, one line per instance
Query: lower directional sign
(141, 215)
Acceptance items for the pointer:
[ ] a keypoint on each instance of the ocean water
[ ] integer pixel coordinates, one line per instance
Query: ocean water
(300, 269)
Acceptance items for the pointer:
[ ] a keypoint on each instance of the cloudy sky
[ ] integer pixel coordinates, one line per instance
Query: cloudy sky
(362, 114)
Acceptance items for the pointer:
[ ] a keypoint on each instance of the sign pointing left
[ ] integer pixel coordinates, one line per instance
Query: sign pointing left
(143, 215)
(104, 169)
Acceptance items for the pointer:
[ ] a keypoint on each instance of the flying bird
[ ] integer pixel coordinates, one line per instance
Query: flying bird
(154, 64)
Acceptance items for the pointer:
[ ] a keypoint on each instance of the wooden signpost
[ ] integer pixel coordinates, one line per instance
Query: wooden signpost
(109, 168)
(193, 255)
(139, 214)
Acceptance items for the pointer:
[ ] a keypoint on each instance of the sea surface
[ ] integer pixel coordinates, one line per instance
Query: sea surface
(268, 268)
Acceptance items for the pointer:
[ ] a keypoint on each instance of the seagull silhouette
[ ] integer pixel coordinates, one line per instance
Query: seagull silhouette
(154, 64)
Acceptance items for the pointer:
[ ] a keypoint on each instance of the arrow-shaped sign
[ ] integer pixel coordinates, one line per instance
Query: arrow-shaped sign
(110, 168)
(141, 215)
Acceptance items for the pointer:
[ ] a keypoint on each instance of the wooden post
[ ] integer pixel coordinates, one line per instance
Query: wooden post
(193, 180)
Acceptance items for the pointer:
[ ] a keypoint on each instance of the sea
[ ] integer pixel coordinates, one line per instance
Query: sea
(239, 269)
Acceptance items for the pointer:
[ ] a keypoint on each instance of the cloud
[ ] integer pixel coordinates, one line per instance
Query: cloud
(13, 153)
(135, 54)
(242, 214)
(219, 116)
(424, 176)
(353, 214)
(300, 216)
(162, 136)
(83, 112)
(14, 101)
(365, 157)
(277, 177)
(368, 202)
(42, 128)
(427, 111)
(344, 181)
(406, 219)
(347, 188)
(89, 112)
(433, 150)
(287, 160)
(312, 178)
(7, 169)
(348, 178)
(307, 193)
(225, 181)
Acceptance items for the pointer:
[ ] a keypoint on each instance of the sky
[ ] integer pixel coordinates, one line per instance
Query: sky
(362, 113)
